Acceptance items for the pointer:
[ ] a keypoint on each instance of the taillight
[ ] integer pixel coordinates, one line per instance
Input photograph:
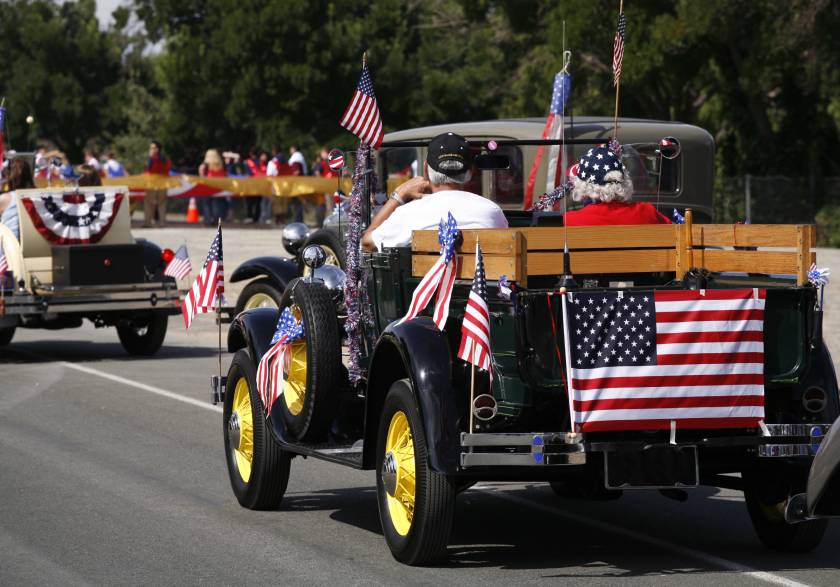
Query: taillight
(167, 255)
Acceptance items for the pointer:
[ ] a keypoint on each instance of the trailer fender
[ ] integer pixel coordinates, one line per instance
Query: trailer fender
(416, 350)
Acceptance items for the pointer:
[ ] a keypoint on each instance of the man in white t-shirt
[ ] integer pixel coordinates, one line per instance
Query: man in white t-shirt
(421, 202)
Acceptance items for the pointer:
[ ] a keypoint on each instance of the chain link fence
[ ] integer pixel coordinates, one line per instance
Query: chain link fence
(780, 199)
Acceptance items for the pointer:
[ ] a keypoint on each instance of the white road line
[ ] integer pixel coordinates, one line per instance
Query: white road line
(150, 388)
(657, 542)
(711, 559)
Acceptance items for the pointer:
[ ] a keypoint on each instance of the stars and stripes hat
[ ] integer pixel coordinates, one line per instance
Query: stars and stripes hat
(449, 154)
(598, 164)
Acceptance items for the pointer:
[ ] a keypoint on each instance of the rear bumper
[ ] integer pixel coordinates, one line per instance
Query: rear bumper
(557, 449)
(90, 300)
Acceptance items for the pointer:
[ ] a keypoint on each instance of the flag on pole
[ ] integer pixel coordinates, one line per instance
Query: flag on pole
(207, 291)
(641, 360)
(270, 374)
(362, 115)
(618, 48)
(440, 278)
(553, 130)
(179, 267)
(475, 330)
(4, 265)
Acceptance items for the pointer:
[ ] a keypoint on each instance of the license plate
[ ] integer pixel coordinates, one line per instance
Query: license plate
(657, 467)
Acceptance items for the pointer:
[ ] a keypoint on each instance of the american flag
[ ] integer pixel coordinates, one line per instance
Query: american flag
(362, 115)
(440, 278)
(4, 265)
(179, 267)
(553, 130)
(641, 360)
(618, 49)
(270, 370)
(207, 292)
(475, 330)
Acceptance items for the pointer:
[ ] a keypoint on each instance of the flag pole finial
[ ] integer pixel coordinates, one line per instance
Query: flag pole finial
(364, 58)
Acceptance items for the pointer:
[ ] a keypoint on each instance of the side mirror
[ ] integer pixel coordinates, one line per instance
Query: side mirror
(669, 148)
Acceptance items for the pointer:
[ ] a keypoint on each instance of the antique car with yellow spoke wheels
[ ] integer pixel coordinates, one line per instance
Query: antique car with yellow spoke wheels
(616, 358)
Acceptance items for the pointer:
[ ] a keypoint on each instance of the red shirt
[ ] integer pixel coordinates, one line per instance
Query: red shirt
(257, 168)
(615, 213)
(216, 172)
(158, 166)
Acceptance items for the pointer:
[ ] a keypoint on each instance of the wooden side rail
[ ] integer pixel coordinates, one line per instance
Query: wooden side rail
(522, 252)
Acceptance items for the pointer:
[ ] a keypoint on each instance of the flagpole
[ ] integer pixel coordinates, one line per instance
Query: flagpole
(219, 316)
(617, 86)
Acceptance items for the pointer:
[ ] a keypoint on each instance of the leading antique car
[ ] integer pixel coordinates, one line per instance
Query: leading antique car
(659, 357)
(76, 259)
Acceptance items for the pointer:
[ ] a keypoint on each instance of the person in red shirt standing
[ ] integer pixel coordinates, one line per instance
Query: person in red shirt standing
(158, 164)
(604, 186)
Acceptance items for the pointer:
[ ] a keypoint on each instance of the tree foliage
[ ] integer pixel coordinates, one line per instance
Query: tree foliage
(760, 75)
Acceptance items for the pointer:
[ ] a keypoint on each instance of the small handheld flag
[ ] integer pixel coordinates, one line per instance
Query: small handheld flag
(207, 291)
(179, 267)
(270, 370)
(475, 330)
(362, 114)
(440, 278)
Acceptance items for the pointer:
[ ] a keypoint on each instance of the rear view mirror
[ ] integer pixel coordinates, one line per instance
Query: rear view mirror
(492, 162)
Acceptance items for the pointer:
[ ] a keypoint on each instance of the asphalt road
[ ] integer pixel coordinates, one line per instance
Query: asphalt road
(112, 471)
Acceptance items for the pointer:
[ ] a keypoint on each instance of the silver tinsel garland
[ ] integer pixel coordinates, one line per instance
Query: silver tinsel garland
(359, 317)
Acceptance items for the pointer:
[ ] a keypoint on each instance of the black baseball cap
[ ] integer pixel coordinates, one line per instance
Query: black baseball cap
(449, 154)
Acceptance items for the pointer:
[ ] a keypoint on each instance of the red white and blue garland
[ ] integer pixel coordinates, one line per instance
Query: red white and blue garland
(73, 217)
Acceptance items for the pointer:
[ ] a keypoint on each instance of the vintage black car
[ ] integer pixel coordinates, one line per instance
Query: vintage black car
(430, 425)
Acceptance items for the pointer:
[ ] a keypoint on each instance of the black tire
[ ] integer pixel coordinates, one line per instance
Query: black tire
(6, 335)
(332, 246)
(434, 496)
(259, 294)
(765, 496)
(143, 335)
(269, 470)
(309, 417)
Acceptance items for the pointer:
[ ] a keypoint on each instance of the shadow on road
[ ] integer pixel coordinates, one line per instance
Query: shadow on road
(82, 350)
(493, 532)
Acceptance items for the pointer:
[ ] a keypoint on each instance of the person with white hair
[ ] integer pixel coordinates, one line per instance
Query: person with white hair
(602, 183)
(422, 202)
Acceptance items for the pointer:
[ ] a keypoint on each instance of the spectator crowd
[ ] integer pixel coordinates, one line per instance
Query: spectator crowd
(52, 164)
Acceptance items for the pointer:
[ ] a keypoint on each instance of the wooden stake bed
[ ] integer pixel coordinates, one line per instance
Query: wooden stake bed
(522, 252)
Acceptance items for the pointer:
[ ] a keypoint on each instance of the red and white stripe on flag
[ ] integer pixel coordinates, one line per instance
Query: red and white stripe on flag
(206, 293)
(440, 280)
(4, 265)
(641, 360)
(475, 329)
(362, 116)
(270, 373)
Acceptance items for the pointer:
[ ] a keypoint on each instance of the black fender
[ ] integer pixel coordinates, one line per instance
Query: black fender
(280, 270)
(153, 261)
(419, 351)
(253, 329)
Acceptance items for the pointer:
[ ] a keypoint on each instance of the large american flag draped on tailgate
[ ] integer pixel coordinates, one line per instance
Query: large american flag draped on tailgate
(270, 374)
(207, 291)
(362, 115)
(641, 360)
(475, 330)
(439, 279)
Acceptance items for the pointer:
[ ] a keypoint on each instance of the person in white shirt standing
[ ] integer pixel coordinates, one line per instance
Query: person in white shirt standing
(421, 202)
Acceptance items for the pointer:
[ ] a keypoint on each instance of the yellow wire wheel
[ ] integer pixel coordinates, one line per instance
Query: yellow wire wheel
(257, 466)
(242, 425)
(260, 300)
(294, 369)
(416, 502)
(399, 456)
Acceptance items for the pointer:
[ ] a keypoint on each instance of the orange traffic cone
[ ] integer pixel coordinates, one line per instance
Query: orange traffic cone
(192, 212)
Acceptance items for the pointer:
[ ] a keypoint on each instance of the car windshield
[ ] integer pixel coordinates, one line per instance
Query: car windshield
(650, 173)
